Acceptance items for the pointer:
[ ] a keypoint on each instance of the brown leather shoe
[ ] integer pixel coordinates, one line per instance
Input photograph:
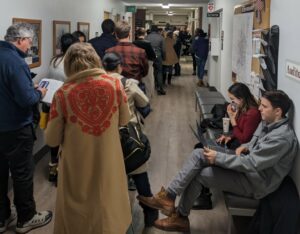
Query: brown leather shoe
(175, 223)
(200, 83)
(160, 201)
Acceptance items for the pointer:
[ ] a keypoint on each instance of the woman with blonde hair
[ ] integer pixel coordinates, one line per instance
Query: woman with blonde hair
(85, 116)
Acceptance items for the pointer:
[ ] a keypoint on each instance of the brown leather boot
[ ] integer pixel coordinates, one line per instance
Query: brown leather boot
(160, 201)
(175, 223)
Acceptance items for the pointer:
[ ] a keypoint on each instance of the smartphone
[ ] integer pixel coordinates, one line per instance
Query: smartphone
(43, 84)
(233, 106)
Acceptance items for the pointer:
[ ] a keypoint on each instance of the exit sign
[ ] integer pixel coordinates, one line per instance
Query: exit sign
(130, 9)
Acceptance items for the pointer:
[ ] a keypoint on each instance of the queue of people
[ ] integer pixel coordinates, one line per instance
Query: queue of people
(83, 131)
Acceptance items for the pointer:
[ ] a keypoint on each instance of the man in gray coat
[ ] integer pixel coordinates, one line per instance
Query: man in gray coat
(256, 170)
(158, 45)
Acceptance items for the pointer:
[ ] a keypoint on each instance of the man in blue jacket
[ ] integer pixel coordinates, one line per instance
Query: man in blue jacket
(107, 38)
(17, 97)
(255, 170)
(200, 47)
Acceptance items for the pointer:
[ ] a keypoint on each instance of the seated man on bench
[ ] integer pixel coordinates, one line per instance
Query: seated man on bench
(256, 170)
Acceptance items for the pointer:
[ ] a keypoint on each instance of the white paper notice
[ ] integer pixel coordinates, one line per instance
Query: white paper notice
(52, 86)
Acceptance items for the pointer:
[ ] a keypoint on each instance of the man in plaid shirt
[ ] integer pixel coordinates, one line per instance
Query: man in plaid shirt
(135, 62)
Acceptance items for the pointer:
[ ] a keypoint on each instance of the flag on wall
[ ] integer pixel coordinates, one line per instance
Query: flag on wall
(260, 5)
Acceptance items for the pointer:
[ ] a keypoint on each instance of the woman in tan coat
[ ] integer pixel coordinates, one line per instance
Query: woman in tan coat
(136, 98)
(170, 58)
(85, 116)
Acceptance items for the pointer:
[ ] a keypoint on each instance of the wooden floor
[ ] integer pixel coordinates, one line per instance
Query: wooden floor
(172, 141)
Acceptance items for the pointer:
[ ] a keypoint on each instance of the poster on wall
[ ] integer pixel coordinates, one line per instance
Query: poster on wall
(242, 46)
(33, 58)
(59, 29)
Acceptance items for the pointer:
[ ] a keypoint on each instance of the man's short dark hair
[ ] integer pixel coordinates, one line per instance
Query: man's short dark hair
(140, 32)
(278, 99)
(154, 28)
(108, 26)
(122, 29)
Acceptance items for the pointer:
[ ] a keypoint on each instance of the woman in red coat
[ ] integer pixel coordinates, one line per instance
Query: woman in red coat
(244, 116)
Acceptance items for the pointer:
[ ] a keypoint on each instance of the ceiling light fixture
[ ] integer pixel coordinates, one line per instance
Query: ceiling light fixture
(166, 6)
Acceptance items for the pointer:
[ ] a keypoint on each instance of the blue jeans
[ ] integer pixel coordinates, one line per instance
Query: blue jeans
(200, 67)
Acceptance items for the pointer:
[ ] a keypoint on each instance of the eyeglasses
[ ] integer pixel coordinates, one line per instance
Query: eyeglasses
(29, 38)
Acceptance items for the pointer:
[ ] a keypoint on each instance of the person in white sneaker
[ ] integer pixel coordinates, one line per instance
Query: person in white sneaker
(18, 96)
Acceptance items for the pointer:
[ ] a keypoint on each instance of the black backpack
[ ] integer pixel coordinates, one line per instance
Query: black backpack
(218, 111)
(135, 146)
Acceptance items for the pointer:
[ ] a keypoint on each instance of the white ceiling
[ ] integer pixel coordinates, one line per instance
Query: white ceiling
(170, 2)
(179, 7)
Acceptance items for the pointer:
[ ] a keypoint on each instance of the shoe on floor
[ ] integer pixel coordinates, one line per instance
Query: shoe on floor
(131, 184)
(161, 92)
(38, 220)
(175, 223)
(4, 224)
(160, 201)
(203, 202)
(200, 83)
(52, 172)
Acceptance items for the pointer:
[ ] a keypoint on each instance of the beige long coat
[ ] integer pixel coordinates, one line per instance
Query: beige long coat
(171, 56)
(92, 193)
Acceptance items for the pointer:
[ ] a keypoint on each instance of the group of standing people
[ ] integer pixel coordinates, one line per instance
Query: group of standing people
(85, 116)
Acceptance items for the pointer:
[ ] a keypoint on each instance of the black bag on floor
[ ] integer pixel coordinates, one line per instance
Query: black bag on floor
(218, 111)
(135, 146)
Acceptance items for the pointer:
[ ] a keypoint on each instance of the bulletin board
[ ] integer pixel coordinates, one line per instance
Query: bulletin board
(260, 10)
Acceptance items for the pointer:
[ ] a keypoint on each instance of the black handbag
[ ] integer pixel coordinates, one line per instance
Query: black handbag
(135, 146)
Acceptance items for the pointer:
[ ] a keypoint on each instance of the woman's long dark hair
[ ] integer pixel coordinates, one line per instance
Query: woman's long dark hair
(241, 91)
(66, 41)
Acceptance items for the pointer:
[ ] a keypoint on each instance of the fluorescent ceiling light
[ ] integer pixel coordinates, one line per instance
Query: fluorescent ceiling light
(165, 6)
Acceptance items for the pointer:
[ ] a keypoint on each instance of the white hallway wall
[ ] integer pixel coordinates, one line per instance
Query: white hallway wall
(227, 20)
(286, 15)
(67, 10)
(91, 11)
(288, 49)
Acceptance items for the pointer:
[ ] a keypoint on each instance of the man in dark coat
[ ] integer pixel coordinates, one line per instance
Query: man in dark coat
(18, 95)
(107, 38)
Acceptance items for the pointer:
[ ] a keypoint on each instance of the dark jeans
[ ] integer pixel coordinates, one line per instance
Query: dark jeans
(54, 154)
(194, 62)
(200, 67)
(157, 68)
(177, 69)
(167, 69)
(142, 184)
(143, 188)
(16, 156)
